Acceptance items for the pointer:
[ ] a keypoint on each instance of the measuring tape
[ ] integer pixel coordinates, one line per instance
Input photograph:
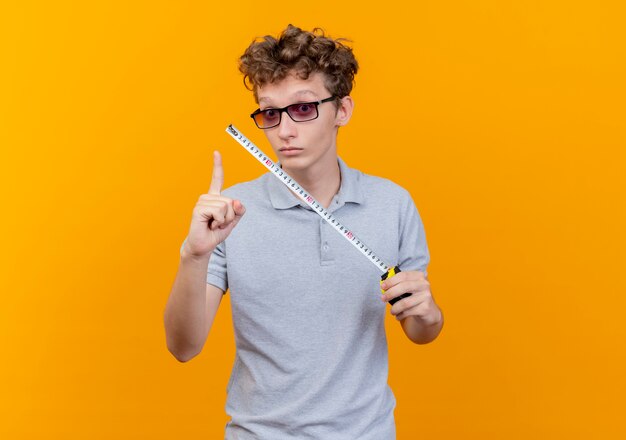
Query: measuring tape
(316, 206)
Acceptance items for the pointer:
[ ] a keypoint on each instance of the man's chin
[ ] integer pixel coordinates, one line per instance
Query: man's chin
(297, 163)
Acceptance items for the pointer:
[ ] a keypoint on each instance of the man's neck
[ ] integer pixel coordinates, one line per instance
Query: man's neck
(322, 181)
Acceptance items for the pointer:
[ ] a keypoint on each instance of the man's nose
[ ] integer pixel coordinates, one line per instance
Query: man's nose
(287, 127)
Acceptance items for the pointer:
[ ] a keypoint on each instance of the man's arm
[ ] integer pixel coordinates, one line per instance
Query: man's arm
(191, 308)
(421, 318)
(420, 332)
(192, 303)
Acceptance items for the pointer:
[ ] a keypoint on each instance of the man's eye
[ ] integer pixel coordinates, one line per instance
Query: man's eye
(270, 114)
(304, 109)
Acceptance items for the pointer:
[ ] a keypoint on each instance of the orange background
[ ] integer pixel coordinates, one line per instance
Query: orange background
(505, 120)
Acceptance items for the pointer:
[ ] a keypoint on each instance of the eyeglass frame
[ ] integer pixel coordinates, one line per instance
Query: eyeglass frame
(285, 110)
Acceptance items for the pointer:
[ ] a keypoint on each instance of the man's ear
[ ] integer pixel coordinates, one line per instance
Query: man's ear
(344, 112)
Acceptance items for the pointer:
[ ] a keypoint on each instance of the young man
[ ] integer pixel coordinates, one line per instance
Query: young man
(311, 356)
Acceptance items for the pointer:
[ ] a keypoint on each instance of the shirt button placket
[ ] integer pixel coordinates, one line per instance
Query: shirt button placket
(325, 251)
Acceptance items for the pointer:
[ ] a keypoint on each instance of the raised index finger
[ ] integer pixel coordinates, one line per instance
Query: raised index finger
(217, 180)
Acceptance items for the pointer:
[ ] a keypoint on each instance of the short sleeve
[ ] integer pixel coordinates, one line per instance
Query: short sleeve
(413, 248)
(217, 274)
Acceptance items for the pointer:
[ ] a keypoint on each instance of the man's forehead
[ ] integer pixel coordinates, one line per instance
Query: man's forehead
(276, 95)
(293, 86)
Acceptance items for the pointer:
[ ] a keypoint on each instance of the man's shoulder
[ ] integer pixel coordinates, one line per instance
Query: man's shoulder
(377, 185)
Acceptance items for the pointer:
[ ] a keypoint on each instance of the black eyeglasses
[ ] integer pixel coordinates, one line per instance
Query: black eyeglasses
(300, 112)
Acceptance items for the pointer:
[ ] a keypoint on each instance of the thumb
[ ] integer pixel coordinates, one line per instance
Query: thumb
(239, 209)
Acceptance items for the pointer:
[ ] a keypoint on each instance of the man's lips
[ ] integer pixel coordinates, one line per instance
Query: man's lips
(290, 151)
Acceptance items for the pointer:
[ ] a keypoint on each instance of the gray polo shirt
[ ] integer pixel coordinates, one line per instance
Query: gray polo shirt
(311, 353)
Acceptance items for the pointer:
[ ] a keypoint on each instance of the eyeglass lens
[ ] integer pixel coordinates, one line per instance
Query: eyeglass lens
(298, 112)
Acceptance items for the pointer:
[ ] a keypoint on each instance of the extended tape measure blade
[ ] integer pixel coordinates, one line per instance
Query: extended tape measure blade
(307, 198)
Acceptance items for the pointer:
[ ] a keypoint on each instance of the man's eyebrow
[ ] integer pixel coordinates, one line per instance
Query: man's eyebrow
(306, 92)
(299, 93)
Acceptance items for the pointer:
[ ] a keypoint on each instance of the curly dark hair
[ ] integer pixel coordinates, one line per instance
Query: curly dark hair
(268, 60)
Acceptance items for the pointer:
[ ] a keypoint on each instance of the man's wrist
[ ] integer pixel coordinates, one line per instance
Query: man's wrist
(431, 322)
(187, 256)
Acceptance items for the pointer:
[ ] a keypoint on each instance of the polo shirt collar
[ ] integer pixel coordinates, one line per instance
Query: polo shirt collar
(350, 191)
